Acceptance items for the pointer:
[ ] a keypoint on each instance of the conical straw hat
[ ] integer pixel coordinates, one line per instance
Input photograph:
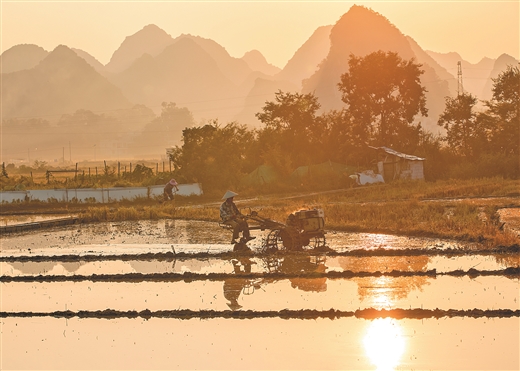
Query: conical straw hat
(229, 194)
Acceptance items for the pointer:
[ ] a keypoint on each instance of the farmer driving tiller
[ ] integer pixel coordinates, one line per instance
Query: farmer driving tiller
(232, 217)
(302, 228)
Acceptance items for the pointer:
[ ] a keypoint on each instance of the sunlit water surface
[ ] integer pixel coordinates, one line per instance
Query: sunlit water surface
(264, 343)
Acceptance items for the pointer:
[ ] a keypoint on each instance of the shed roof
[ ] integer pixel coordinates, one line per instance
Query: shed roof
(392, 152)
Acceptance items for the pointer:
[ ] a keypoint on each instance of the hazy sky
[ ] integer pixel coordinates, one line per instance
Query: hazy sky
(474, 29)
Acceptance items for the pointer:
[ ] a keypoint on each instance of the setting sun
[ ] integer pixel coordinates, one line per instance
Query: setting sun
(384, 343)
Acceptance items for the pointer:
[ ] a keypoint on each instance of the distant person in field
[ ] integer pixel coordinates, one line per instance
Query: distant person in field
(168, 189)
(230, 214)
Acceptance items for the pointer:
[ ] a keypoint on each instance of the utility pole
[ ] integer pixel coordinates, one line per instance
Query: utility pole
(460, 88)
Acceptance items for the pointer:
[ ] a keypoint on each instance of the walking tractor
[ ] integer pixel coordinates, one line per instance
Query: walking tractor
(302, 228)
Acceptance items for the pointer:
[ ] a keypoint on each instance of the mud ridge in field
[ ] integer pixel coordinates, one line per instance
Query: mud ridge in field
(511, 272)
(369, 313)
(515, 249)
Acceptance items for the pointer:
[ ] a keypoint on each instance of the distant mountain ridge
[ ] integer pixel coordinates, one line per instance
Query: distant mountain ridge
(257, 62)
(183, 73)
(150, 40)
(360, 32)
(151, 67)
(22, 57)
(61, 83)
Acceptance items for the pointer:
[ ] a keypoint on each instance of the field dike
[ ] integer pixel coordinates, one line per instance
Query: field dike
(369, 313)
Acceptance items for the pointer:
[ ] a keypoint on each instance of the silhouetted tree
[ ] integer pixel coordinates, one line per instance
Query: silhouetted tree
(384, 95)
(502, 118)
(464, 134)
(291, 125)
(4, 171)
(213, 155)
(346, 143)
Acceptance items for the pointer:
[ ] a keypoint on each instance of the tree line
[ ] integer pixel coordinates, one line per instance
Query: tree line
(384, 103)
(384, 100)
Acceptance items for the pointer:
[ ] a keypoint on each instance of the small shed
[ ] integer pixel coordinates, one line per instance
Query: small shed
(395, 165)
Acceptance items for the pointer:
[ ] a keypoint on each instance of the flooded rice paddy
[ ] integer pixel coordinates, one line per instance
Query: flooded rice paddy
(173, 295)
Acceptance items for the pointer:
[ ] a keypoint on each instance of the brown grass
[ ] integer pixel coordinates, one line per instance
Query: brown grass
(463, 210)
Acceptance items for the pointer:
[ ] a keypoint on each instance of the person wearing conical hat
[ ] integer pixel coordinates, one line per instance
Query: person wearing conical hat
(168, 188)
(230, 214)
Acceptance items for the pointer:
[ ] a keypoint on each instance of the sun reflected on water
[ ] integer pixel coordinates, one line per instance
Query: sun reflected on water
(384, 343)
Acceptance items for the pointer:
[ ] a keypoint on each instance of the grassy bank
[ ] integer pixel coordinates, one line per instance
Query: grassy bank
(462, 210)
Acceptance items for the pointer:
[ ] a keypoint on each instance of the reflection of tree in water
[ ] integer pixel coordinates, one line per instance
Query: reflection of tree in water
(389, 287)
(72, 266)
(44, 267)
(299, 264)
(305, 264)
(152, 266)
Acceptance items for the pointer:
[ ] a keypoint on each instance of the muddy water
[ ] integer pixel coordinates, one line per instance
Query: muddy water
(171, 295)
(194, 232)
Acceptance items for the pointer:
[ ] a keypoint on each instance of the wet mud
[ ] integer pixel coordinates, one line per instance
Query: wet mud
(369, 313)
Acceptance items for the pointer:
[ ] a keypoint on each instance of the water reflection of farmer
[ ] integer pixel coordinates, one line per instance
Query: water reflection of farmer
(168, 189)
(234, 286)
(230, 214)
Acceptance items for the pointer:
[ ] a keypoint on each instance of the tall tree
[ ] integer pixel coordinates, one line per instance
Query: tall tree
(213, 155)
(346, 142)
(464, 134)
(384, 95)
(291, 124)
(502, 118)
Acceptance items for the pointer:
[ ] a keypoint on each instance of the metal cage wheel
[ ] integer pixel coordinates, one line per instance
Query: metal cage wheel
(318, 242)
(271, 242)
(290, 238)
